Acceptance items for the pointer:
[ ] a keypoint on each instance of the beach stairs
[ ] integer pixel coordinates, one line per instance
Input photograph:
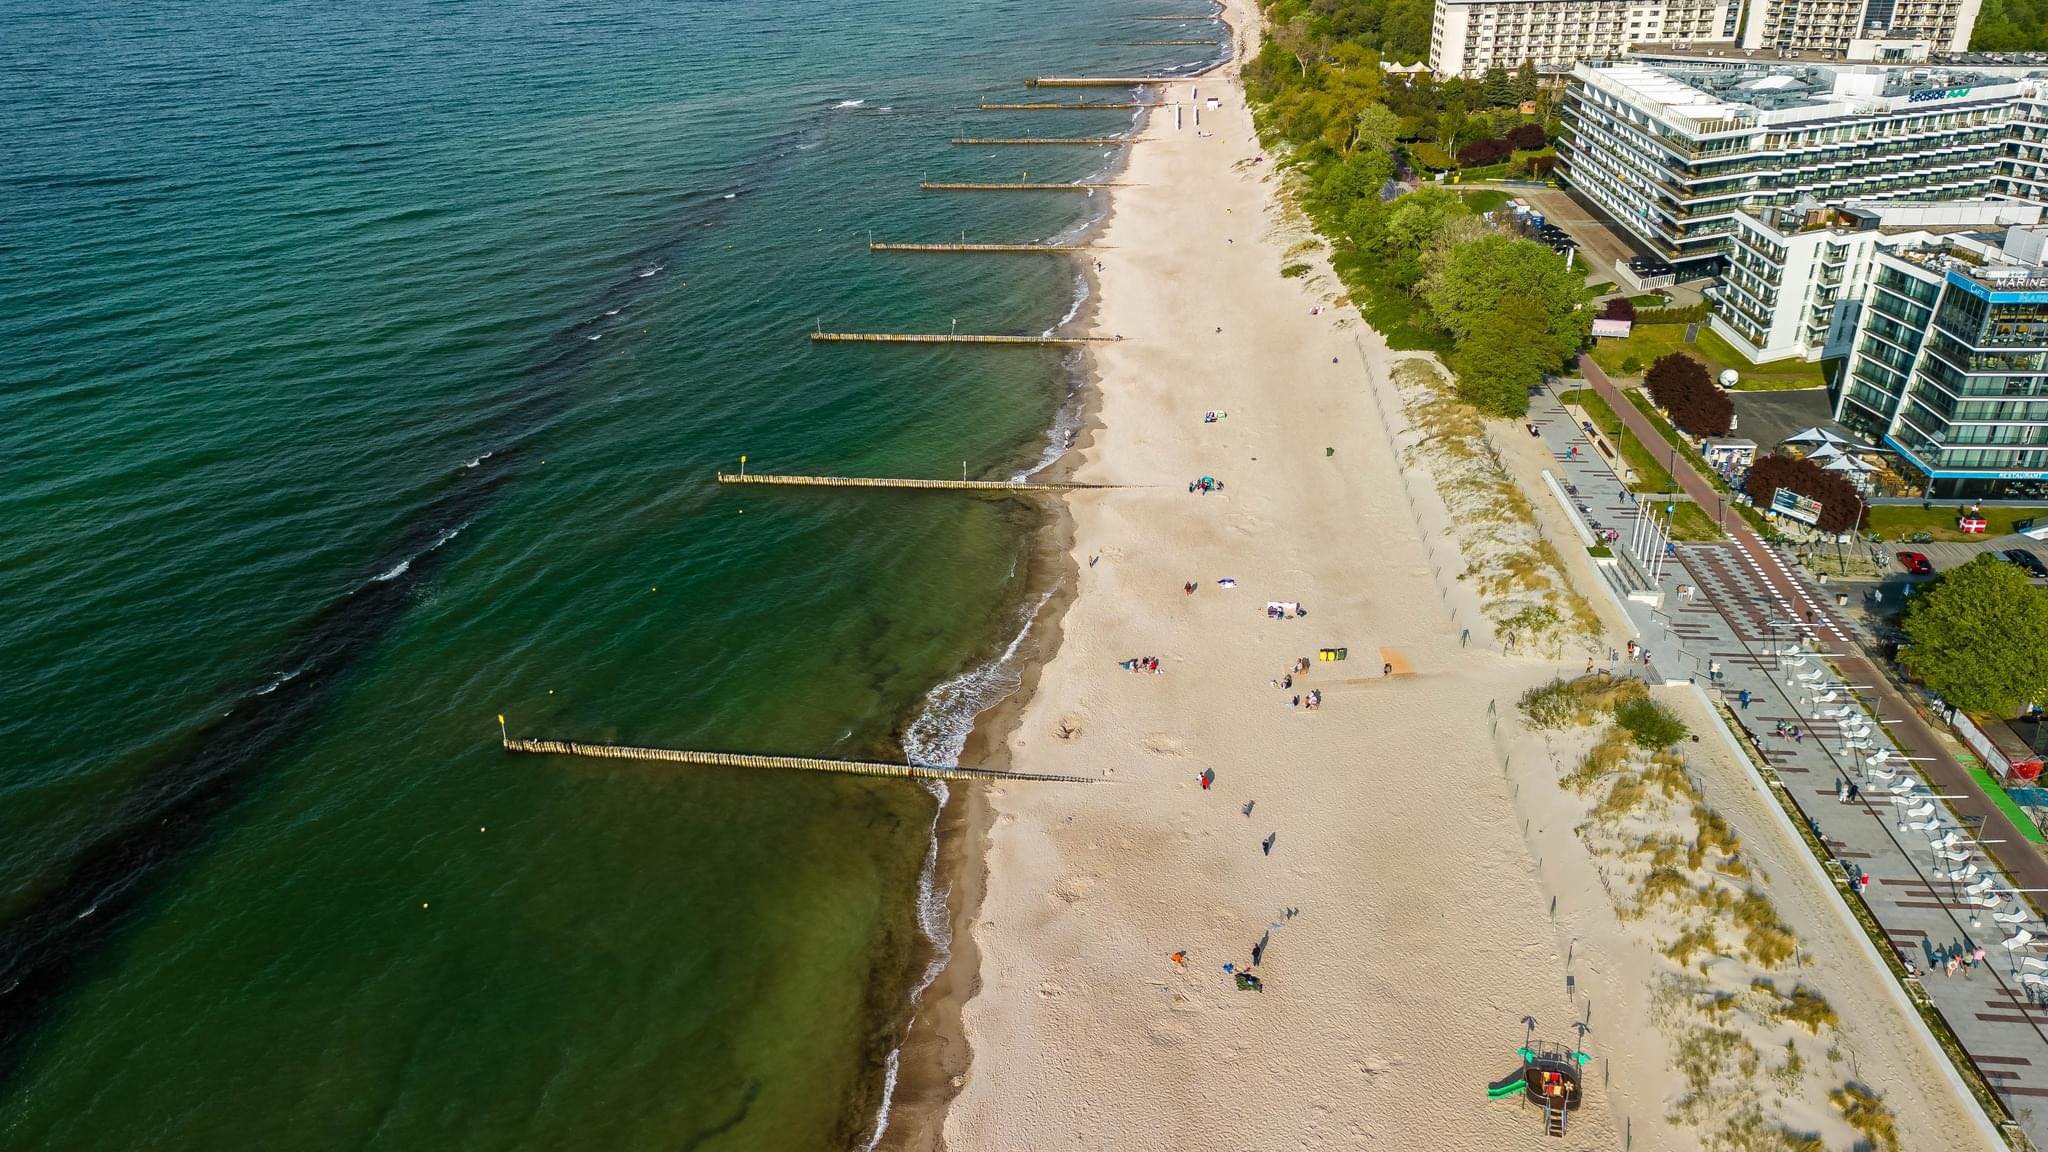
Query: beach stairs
(1556, 1117)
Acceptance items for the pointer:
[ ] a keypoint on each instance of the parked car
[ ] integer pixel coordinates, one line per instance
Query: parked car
(1916, 563)
(2027, 561)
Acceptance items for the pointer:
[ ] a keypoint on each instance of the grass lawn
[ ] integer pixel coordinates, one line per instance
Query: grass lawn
(1692, 522)
(1649, 341)
(1395, 314)
(1603, 288)
(1648, 300)
(1650, 475)
(1896, 522)
(1485, 199)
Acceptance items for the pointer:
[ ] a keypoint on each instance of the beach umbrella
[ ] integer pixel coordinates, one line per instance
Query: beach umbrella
(1815, 436)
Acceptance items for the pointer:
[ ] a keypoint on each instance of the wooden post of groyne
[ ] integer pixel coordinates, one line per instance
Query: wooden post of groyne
(732, 478)
(886, 246)
(1014, 186)
(1099, 81)
(1091, 141)
(1065, 106)
(798, 763)
(954, 338)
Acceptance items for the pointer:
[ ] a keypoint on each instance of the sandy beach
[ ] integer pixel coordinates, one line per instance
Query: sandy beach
(1402, 851)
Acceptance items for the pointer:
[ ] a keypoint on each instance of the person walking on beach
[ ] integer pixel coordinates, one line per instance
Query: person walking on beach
(1854, 793)
(1743, 697)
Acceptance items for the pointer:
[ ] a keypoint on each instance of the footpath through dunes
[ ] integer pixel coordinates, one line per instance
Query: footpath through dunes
(1366, 852)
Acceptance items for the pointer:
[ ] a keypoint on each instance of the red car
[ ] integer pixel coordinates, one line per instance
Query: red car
(1916, 563)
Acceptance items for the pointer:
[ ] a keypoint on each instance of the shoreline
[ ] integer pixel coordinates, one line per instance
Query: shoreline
(934, 1054)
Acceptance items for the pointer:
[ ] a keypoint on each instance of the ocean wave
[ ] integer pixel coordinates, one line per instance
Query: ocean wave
(476, 460)
(849, 104)
(394, 572)
(937, 736)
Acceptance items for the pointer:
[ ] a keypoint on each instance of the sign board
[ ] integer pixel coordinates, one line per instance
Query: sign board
(1786, 502)
(1612, 327)
(1926, 94)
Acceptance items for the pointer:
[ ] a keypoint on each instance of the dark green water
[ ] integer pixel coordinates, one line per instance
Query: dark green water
(362, 373)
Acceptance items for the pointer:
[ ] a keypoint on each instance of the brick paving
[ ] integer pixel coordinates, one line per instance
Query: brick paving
(1766, 627)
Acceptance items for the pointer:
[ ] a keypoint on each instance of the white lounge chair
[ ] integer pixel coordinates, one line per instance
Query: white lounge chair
(1921, 826)
(1982, 886)
(2036, 981)
(1881, 773)
(1964, 874)
(2033, 963)
(1879, 758)
(1925, 810)
(1990, 900)
(1947, 839)
(1855, 726)
(1825, 698)
(1813, 677)
(1952, 855)
(2018, 940)
(1837, 713)
(1855, 746)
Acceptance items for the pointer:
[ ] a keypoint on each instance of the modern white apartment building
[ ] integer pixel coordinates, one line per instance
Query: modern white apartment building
(2026, 149)
(1830, 25)
(1467, 37)
(1672, 151)
(1797, 277)
(1950, 368)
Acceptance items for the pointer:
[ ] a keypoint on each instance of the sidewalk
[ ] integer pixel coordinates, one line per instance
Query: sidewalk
(1747, 608)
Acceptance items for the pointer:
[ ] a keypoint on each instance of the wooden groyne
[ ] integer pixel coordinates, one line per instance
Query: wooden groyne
(1210, 16)
(1013, 186)
(883, 246)
(894, 482)
(954, 338)
(1174, 43)
(1067, 106)
(1101, 81)
(1092, 141)
(798, 763)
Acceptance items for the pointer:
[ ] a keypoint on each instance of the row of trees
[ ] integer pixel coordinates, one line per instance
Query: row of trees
(1680, 385)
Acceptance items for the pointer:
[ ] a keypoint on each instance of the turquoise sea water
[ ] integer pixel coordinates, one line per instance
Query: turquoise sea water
(363, 368)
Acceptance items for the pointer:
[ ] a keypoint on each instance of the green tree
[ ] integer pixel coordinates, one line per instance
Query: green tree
(1498, 364)
(1978, 636)
(1413, 224)
(1467, 288)
(1450, 124)
(1526, 85)
(1376, 129)
(1498, 87)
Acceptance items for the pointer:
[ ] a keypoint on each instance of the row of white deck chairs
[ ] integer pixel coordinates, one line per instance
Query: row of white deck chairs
(1953, 857)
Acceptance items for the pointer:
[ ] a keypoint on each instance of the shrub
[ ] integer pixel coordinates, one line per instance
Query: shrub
(1618, 308)
(1480, 153)
(1676, 314)
(1650, 724)
(1680, 385)
(1542, 166)
(1527, 137)
(1428, 156)
(1294, 270)
(1839, 502)
(1631, 365)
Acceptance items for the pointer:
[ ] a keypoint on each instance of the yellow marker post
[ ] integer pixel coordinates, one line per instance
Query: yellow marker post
(743, 465)
(501, 729)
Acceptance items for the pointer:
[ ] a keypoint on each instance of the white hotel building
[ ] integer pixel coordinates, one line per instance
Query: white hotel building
(1674, 151)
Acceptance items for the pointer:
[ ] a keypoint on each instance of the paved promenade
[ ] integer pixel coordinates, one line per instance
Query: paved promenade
(1944, 872)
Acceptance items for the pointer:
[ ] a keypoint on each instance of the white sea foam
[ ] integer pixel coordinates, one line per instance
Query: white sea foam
(649, 272)
(394, 572)
(615, 312)
(474, 461)
(937, 736)
(599, 336)
(849, 104)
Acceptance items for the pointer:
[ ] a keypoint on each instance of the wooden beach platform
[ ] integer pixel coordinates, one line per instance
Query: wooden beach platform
(798, 763)
(786, 481)
(1014, 186)
(955, 338)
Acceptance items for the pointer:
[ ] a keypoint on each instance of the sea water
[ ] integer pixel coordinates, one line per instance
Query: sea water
(363, 373)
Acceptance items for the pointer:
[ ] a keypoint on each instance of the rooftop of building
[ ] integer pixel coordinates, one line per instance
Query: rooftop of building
(2008, 260)
(1749, 90)
(1899, 217)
